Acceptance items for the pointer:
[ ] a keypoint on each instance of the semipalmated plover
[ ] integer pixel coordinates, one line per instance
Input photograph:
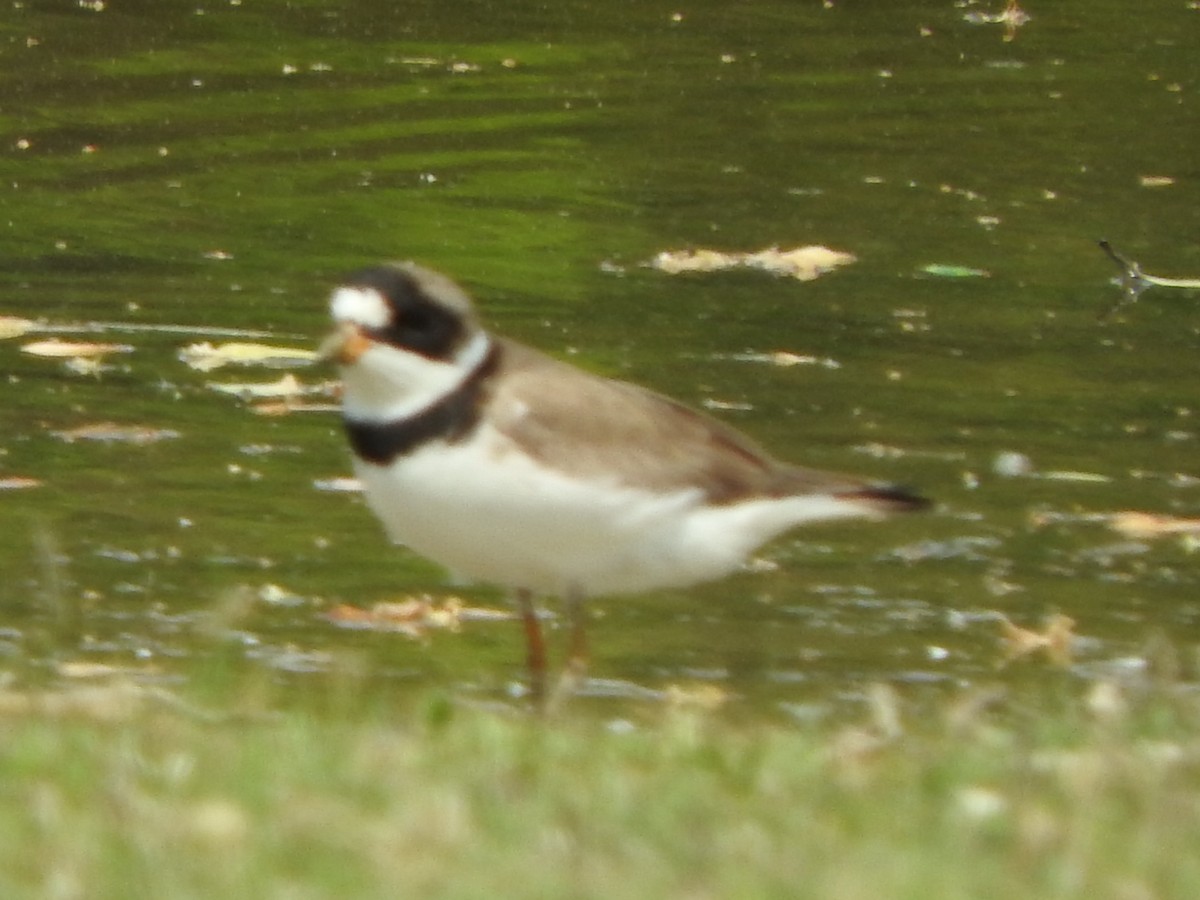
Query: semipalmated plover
(507, 466)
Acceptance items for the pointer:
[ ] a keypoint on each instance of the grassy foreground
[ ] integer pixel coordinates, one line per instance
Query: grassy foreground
(114, 791)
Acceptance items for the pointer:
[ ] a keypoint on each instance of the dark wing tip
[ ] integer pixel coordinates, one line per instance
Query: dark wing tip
(888, 498)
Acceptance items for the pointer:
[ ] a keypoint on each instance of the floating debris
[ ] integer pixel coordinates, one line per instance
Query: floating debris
(1155, 181)
(1012, 17)
(912, 321)
(89, 670)
(110, 433)
(1080, 477)
(11, 327)
(967, 547)
(18, 483)
(943, 270)
(287, 407)
(93, 368)
(205, 357)
(889, 451)
(1133, 280)
(726, 405)
(54, 348)
(801, 263)
(1135, 524)
(700, 696)
(1054, 640)
(339, 485)
(1011, 464)
(879, 450)
(784, 359)
(276, 595)
(413, 616)
(282, 397)
(287, 386)
(673, 262)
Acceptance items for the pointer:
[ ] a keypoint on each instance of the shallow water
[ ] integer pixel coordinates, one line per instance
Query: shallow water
(218, 166)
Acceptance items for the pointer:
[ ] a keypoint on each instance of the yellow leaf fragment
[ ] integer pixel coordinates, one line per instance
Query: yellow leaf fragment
(1054, 640)
(11, 327)
(786, 359)
(704, 697)
(674, 262)
(1135, 524)
(18, 483)
(1081, 477)
(205, 357)
(413, 616)
(282, 397)
(287, 407)
(287, 386)
(58, 349)
(801, 263)
(272, 408)
(88, 670)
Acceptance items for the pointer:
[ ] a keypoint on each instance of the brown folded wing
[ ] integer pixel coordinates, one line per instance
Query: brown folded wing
(612, 430)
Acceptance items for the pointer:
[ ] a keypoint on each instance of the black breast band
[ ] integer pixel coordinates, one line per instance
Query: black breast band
(450, 419)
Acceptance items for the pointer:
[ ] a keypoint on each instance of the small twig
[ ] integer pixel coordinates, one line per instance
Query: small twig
(1134, 280)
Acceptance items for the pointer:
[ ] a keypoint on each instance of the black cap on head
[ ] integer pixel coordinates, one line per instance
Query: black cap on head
(429, 314)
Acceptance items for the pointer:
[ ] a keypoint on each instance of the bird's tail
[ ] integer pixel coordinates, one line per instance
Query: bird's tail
(885, 498)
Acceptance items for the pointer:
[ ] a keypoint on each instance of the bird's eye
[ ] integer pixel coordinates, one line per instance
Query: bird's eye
(424, 328)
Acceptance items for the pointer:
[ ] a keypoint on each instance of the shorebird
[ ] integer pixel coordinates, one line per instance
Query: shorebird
(507, 466)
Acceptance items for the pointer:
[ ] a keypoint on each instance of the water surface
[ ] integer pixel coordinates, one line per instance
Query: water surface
(218, 166)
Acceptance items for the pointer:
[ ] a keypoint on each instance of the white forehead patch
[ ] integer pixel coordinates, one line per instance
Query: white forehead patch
(362, 306)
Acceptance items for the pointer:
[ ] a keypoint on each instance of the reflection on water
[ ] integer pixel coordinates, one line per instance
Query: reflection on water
(218, 167)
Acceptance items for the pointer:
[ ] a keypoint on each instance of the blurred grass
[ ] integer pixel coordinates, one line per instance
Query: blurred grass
(117, 790)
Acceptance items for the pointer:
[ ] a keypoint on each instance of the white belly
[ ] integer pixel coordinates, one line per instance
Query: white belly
(501, 518)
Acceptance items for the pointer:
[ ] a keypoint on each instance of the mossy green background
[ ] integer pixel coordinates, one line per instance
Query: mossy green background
(220, 165)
